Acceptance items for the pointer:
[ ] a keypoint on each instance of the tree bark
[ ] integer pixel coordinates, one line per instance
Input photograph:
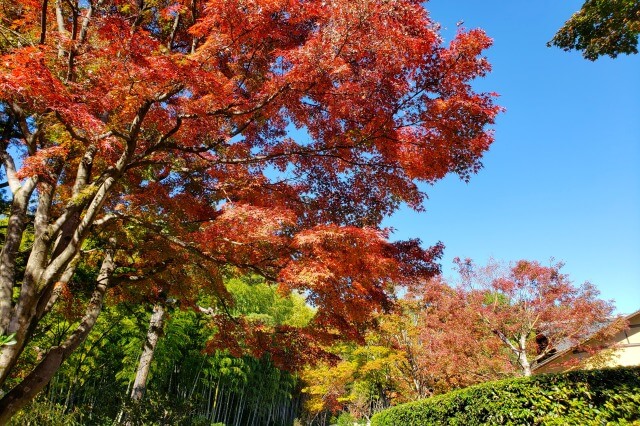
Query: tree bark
(15, 228)
(522, 357)
(23, 393)
(153, 335)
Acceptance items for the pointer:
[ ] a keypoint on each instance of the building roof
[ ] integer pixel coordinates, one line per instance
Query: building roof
(567, 345)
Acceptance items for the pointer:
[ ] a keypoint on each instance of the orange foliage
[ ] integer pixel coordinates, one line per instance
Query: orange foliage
(190, 106)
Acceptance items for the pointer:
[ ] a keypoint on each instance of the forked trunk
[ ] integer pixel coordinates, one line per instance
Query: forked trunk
(29, 387)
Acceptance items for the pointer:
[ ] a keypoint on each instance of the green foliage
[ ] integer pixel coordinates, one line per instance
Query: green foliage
(260, 301)
(345, 419)
(602, 27)
(43, 413)
(8, 340)
(591, 397)
(163, 409)
(186, 385)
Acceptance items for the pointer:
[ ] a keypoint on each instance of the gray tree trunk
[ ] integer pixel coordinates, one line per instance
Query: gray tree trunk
(522, 357)
(156, 325)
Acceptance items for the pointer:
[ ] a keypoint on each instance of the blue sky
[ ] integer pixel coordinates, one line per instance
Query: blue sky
(562, 179)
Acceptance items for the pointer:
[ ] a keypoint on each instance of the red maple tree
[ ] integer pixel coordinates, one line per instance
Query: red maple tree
(125, 122)
(457, 350)
(532, 309)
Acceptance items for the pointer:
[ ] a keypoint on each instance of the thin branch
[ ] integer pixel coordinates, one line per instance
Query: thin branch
(174, 28)
(70, 129)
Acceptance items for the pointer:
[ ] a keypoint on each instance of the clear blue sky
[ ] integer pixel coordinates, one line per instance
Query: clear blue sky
(563, 176)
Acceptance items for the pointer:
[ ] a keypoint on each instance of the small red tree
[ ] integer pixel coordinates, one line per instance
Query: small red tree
(532, 308)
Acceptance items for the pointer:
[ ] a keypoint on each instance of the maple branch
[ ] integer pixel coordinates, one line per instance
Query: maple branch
(77, 203)
(210, 311)
(49, 298)
(173, 130)
(319, 152)
(20, 38)
(30, 138)
(174, 28)
(44, 371)
(85, 22)
(61, 28)
(145, 273)
(74, 34)
(16, 225)
(194, 18)
(506, 341)
(135, 164)
(543, 354)
(262, 104)
(104, 220)
(84, 170)
(43, 21)
(102, 185)
(142, 7)
(535, 321)
(159, 231)
(10, 170)
(82, 36)
(98, 195)
(136, 124)
(207, 311)
(70, 128)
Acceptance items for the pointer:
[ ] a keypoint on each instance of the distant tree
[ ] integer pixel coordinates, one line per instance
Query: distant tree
(532, 308)
(456, 349)
(431, 343)
(601, 27)
(440, 344)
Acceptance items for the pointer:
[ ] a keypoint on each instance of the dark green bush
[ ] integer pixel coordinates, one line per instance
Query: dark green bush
(590, 397)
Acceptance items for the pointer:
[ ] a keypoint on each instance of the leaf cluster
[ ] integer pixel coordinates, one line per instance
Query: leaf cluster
(601, 27)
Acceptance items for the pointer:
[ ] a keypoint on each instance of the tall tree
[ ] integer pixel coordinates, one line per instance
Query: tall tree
(174, 118)
(601, 27)
(532, 308)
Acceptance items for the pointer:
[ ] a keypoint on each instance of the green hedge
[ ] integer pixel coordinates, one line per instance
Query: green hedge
(594, 397)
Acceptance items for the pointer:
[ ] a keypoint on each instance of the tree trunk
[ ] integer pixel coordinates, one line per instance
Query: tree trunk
(153, 334)
(15, 228)
(31, 385)
(522, 357)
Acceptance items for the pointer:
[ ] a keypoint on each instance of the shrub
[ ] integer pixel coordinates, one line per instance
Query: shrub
(590, 397)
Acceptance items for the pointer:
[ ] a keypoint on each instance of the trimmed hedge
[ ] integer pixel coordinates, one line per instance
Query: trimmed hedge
(589, 397)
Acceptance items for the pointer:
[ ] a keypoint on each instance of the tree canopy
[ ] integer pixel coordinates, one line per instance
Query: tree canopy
(601, 27)
(168, 144)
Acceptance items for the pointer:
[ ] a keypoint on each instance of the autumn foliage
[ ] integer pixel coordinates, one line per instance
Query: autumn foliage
(191, 140)
(533, 309)
(491, 322)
